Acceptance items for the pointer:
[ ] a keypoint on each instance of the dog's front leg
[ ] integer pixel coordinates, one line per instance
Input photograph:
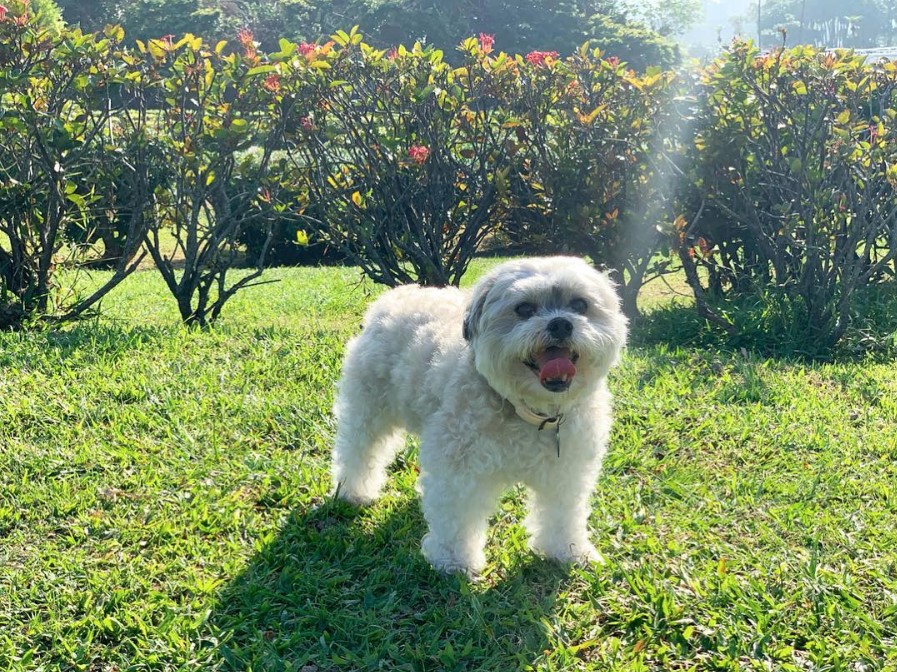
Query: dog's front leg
(457, 508)
(559, 513)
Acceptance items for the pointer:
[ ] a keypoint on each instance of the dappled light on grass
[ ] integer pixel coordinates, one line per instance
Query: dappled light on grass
(164, 504)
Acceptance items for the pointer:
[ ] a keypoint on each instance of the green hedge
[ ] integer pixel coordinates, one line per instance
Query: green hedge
(771, 175)
(792, 204)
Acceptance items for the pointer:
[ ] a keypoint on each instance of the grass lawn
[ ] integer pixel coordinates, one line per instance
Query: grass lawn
(163, 506)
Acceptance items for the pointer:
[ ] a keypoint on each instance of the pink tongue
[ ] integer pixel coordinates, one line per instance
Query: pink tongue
(554, 364)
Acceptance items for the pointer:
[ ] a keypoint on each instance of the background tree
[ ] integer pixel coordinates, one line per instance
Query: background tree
(519, 26)
(90, 16)
(638, 46)
(665, 17)
(828, 23)
(143, 19)
(267, 20)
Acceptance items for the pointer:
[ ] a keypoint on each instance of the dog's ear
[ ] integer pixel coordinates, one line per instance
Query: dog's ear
(475, 308)
(469, 318)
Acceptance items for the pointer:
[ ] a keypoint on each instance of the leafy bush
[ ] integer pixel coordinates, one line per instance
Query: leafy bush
(213, 106)
(64, 112)
(132, 169)
(590, 132)
(395, 160)
(407, 165)
(793, 206)
(290, 244)
(287, 239)
(403, 157)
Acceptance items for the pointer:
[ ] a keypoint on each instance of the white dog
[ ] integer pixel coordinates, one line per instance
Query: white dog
(507, 385)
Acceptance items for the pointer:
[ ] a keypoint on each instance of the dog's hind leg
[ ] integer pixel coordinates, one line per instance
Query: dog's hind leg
(366, 443)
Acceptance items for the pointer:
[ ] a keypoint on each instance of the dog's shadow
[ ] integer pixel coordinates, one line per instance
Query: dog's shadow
(343, 588)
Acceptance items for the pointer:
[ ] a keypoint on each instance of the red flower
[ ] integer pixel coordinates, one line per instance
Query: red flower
(574, 89)
(306, 48)
(392, 53)
(22, 19)
(418, 154)
(272, 83)
(540, 57)
(613, 61)
(486, 42)
(245, 38)
(168, 40)
(3, 11)
(307, 124)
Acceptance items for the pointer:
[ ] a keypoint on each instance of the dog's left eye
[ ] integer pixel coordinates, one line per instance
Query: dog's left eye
(579, 305)
(525, 310)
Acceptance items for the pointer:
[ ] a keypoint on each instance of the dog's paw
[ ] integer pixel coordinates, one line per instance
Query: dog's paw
(354, 496)
(590, 556)
(581, 554)
(447, 559)
(450, 566)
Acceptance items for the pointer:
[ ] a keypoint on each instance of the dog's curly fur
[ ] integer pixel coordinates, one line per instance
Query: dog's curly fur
(463, 373)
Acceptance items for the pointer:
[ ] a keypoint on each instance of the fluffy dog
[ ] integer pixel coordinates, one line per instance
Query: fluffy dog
(505, 386)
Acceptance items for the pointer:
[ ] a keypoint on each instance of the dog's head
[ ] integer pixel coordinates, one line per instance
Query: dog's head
(545, 331)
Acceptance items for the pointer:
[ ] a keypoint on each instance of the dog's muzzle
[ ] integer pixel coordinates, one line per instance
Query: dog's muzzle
(555, 366)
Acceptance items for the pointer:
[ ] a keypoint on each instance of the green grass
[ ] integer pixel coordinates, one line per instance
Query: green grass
(163, 506)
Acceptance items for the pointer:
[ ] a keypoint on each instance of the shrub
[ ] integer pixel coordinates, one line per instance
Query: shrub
(591, 181)
(793, 199)
(290, 243)
(132, 169)
(213, 107)
(404, 157)
(287, 239)
(65, 100)
(410, 164)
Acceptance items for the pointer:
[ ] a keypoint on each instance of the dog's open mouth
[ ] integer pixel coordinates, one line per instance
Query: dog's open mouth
(555, 367)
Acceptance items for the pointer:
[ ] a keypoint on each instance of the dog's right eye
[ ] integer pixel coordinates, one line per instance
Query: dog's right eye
(525, 310)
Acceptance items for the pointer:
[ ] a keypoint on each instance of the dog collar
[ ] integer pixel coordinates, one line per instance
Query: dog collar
(538, 419)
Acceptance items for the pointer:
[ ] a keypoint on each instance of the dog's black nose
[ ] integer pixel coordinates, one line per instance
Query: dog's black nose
(560, 328)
